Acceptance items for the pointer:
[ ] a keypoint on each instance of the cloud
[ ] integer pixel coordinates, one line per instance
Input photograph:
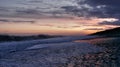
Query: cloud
(58, 26)
(16, 21)
(4, 9)
(84, 9)
(95, 8)
(52, 25)
(68, 27)
(4, 20)
(94, 29)
(48, 25)
(60, 8)
(27, 11)
(76, 26)
(34, 8)
(111, 7)
(116, 23)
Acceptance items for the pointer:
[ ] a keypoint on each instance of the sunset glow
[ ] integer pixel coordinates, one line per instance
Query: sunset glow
(31, 17)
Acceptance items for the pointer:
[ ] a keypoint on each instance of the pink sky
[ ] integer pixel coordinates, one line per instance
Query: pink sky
(57, 17)
(56, 26)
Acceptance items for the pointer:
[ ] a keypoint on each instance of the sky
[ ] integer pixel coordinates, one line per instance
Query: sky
(58, 17)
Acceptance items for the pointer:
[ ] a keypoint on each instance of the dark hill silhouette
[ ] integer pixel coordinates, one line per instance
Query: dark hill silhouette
(110, 32)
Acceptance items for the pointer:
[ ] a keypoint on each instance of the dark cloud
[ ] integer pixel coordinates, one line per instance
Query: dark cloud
(114, 3)
(35, 1)
(16, 21)
(84, 11)
(95, 8)
(59, 8)
(38, 13)
(68, 26)
(58, 26)
(94, 29)
(49, 25)
(62, 27)
(74, 10)
(4, 9)
(4, 20)
(111, 8)
(52, 25)
(116, 23)
(27, 11)
(75, 26)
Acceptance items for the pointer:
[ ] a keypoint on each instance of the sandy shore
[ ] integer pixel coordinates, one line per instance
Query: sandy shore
(61, 54)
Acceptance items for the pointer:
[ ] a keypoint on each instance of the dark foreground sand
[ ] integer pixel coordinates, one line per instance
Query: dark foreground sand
(100, 52)
(110, 57)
